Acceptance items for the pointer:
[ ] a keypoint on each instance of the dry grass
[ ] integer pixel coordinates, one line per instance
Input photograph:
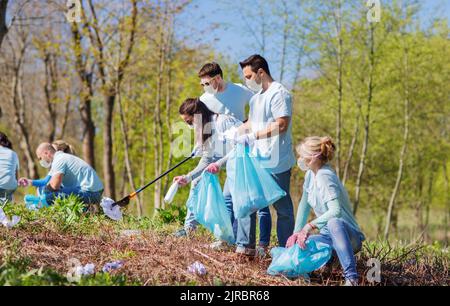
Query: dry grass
(155, 258)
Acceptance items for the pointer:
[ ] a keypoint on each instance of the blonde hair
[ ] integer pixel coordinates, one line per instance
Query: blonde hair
(61, 145)
(321, 147)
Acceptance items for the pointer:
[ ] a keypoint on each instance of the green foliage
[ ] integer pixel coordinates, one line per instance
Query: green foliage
(171, 214)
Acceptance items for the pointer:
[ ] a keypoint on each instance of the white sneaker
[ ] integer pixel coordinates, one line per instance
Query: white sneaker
(245, 251)
(220, 245)
(351, 283)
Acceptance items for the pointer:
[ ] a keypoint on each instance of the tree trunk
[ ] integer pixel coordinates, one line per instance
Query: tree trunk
(351, 150)
(3, 28)
(108, 167)
(86, 94)
(339, 84)
(403, 149)
(124, 130)
(18, 102)
(366, 119)
(447, 201)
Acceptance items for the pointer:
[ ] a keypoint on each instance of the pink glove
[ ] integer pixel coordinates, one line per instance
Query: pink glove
(24, 182)
(181, 180)
(300, 237)
(213, 168)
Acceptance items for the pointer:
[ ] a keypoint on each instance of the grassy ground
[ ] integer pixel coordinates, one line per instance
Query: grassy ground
(42, 249)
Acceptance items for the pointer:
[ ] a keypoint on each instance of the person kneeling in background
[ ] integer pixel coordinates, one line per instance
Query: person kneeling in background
(324, 192)
(77, 177)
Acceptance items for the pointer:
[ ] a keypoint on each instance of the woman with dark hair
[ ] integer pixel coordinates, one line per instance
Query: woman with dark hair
(9, 169)
(211, 145)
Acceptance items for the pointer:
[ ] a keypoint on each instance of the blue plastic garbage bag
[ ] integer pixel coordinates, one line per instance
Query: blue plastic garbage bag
(294, 261)
(252, 186)
(208, 205)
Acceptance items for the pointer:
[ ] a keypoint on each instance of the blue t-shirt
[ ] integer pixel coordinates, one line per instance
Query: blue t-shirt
(276, 153)
(322, 188)
(231, 101)
(9, 165)
(77, 173)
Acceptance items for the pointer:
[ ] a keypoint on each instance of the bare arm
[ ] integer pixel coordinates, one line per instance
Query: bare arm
(279, 126)
(55, 181)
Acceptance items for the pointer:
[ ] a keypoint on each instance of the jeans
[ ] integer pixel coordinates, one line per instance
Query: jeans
(345, 240)
(87, 197)
(246, 235)
(6, 195)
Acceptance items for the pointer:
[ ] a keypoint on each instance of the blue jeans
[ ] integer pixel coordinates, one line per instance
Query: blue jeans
(6, 195)
(246, 235)
(345, 240)
(87, 197)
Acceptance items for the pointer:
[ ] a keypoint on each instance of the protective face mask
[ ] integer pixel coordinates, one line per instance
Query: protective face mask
(211, 90)
(302, 165)
(45, 164)
(253, 86)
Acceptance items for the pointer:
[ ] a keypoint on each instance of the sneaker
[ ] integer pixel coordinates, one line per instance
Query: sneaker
(351, 283)
(183, 232)
(262, 251)
(220, 246)
(245, 251)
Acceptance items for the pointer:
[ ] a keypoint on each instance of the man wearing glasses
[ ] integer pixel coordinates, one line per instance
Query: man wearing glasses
(223, 97)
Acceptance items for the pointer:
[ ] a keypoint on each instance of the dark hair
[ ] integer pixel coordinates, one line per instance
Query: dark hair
(211, 70)
(256, 62)
(4, 141)
(193, 106)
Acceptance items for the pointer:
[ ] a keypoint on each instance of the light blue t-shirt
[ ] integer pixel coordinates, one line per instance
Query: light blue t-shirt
(231, 101)
(276, 153)
(77, 173)
(9, 165)
(322, 188)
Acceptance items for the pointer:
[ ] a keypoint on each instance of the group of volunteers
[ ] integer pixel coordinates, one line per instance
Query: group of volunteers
(218, 118)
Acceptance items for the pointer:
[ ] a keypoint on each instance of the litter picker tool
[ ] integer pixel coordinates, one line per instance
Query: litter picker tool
(125, 201)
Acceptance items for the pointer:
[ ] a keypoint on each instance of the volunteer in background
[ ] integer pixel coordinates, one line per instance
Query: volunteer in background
(9, 169)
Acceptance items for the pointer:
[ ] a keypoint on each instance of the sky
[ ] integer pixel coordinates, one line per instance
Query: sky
(233, 39)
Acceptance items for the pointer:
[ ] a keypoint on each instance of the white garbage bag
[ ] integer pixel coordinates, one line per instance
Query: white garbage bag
(112, 212)
(6, 222)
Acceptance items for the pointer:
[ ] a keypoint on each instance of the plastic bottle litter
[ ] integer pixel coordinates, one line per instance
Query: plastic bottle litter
(35, 202)
(112, 212)
(110, 266)
(171, 193)
(6, 222)
(197, 268)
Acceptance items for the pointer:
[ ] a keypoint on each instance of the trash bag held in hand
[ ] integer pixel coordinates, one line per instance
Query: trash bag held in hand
(208, 205)
(252, 186)
(294, 261)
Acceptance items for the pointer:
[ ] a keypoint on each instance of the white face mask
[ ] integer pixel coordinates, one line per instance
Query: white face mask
(211, 90)
(253, 86)
(45, 164)
(305, 166)
(302, 165)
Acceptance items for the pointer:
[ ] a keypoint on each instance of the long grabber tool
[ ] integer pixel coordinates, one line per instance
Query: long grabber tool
(125, 201)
